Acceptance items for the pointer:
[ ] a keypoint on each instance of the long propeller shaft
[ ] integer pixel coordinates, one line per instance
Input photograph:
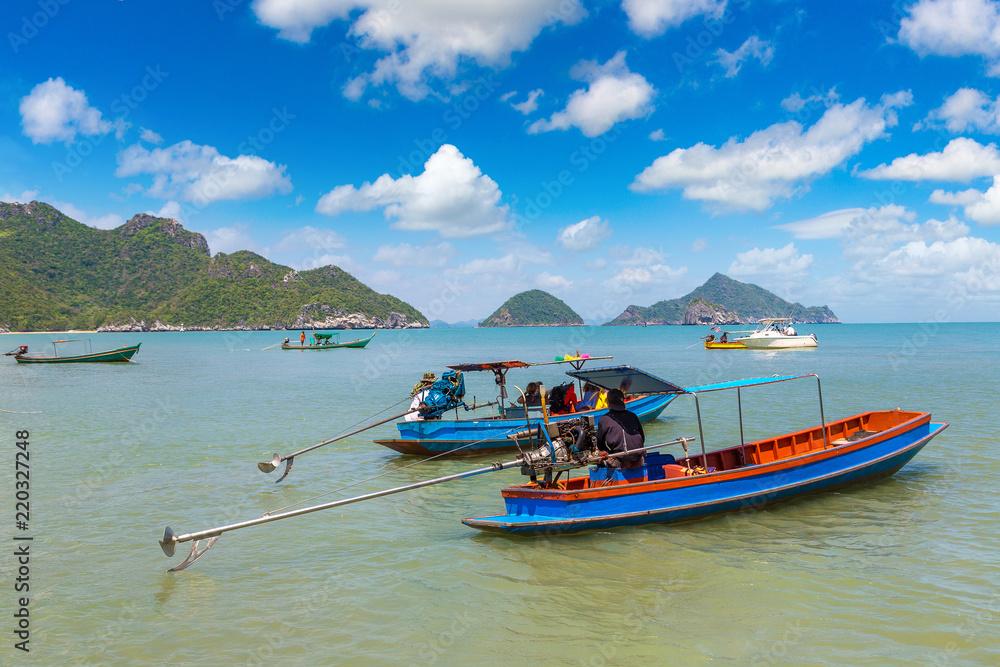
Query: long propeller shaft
(170, 540)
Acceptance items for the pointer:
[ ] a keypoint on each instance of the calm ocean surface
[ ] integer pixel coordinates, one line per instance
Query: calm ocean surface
(899, 572)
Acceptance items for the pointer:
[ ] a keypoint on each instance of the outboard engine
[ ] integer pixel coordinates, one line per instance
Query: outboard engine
(563, 445)
(443, 395)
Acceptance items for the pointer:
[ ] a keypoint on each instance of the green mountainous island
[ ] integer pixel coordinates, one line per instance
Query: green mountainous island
(152, 274)
(533, 308)
(722, 300)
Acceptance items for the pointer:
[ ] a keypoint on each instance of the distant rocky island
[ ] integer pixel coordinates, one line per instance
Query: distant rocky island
(722, 300)
(151, 274)
(534, 308)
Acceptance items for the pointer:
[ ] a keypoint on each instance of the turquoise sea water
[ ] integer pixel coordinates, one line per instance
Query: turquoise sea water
(902, 571)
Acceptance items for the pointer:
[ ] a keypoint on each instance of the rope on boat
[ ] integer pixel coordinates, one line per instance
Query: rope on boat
(388, 472)
(364, 419)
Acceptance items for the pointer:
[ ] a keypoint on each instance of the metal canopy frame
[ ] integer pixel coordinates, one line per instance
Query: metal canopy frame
(614, 377)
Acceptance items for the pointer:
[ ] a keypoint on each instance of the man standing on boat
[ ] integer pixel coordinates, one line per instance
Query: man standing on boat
(620, 431)
(419, 393)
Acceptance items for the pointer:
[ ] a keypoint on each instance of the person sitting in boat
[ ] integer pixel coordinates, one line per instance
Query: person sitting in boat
(620, 431)
(531, 396)
(286, 341)
(419, 393)
(789, 331)
(725, 337)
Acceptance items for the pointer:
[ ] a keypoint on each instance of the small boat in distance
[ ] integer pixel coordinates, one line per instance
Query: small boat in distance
(724, 342)
(121, 354)
(326, 342)
(776, 333)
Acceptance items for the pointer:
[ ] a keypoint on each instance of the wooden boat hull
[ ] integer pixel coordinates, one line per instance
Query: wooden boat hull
(358, 344)
(121, 354)
(489, 435)
(532, 510)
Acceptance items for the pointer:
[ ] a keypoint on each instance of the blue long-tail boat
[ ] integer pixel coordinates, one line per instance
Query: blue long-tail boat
(749, 475)
(476, 436)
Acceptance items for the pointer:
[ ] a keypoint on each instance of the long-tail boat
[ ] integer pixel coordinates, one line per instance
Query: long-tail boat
(327, 342)
(21, 355)
(664, 489)
(474, 436)
(748, 475)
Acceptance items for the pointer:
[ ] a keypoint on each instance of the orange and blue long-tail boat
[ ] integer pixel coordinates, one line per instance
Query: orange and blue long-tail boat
(488, 434)
(748, 475)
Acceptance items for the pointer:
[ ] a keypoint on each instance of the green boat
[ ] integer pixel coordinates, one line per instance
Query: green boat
(326, 342)
(121, 354)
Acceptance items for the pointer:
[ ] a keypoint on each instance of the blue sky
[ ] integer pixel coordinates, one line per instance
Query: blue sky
(454, 153)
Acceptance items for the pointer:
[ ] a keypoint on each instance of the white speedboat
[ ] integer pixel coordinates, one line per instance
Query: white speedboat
(776, 333)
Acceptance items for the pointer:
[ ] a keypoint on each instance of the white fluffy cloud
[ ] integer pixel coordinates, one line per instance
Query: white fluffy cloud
(149, 136)
(870, 233)
(961, 160)
(780, 262)
(952, 28)
(520, 265)
(614, 94)
(641, 267)
(451, 197)
(772, 162)
(652, 17)
(311, 238)
(233, 238)
(201, 175)
(754, 47)
(795, 102)
(969, 261)
(584, 235)
(422, 40)
(829, 225)
(982, 207)
(966, 110)
(529, 105)
(404, 254)
(877, 231)
(109, 221)
(55, 111)
(25, 197)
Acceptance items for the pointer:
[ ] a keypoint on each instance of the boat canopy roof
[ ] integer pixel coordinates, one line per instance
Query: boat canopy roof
(748, 382)
(630, 380)
(774, 320)
(514, 363)
(489, 365)
(634, 381)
